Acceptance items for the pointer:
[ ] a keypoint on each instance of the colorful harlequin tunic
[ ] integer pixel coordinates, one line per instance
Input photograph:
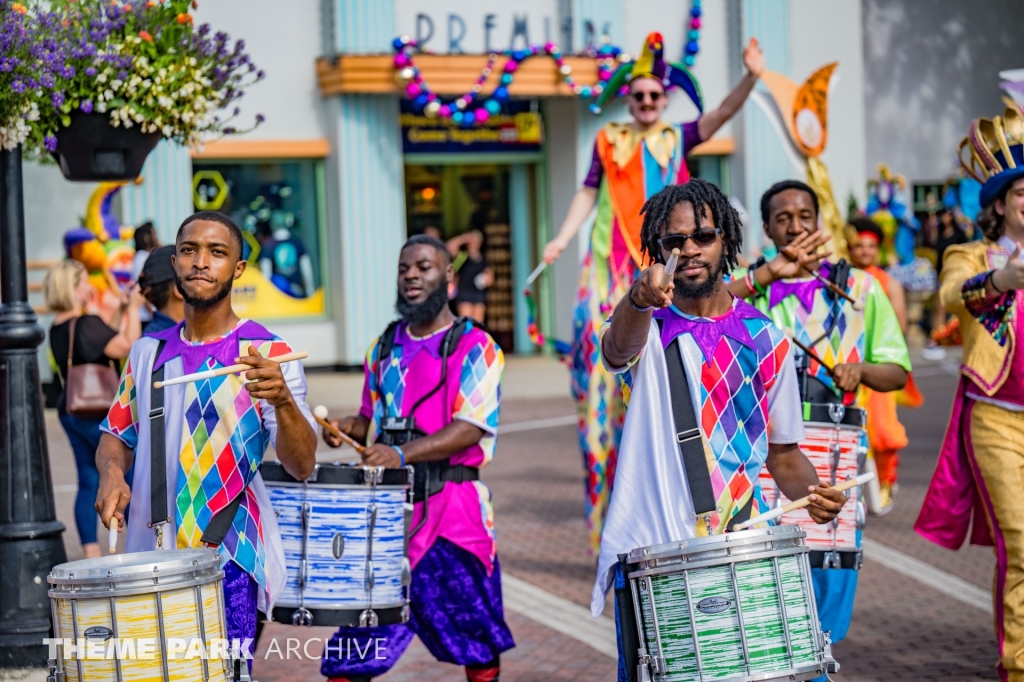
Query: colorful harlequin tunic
(742, 382)
(627, 169)
(455, 595)
(216, 435)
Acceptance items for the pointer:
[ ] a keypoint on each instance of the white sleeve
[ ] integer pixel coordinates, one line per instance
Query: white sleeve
(295, 377)
(785, 414)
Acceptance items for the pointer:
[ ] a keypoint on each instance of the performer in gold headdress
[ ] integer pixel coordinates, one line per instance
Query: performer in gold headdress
(979, 465)
(631, 162)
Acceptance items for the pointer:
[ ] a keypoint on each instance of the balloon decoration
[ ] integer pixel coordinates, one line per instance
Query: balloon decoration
(474, 108)
(693, 34)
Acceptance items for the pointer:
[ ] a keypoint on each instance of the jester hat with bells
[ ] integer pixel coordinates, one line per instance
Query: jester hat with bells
(651, 64)
(996, 152)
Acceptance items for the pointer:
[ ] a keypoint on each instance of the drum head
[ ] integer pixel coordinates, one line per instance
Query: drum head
(333, 474)
(119, 567)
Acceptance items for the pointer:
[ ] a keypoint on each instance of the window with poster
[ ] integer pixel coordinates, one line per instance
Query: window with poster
(279, 206)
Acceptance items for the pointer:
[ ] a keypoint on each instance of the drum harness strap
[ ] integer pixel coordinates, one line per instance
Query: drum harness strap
(221, 521)
(430, 477)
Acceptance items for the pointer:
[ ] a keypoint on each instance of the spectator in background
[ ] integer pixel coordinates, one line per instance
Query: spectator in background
(433, 231)
(67, 290)
(948, 234)
(145, 242)
(473, 275)
(160, 290)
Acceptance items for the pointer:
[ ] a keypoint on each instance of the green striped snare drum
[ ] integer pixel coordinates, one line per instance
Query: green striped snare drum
(736, 608)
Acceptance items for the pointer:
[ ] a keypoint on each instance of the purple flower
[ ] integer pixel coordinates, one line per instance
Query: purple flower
(90, 71)
(86, 106)
(50, 142)
(260, 118)
(122, 75)
(46, 80)
(58, 99)
(18, 87)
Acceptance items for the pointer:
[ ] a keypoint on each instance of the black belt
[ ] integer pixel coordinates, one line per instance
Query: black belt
(849, 558)
(431, 477)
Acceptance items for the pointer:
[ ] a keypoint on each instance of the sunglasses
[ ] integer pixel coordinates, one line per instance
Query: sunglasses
(702, 237)
(639, 96)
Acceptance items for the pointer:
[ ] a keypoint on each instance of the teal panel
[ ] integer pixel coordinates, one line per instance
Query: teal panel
(165, 194)
(522, 252)
(364, 26)
(371, 202)
(765, 157)
(605, 15)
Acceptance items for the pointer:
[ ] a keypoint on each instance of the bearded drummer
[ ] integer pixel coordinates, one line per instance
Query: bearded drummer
(430, 399)
(861, 347)
(196, 447)
(676, 482)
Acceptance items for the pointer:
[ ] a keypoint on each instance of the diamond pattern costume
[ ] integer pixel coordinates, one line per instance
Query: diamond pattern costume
(216, 436)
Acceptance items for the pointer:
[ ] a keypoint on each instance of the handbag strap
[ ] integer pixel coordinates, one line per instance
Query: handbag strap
(687, 433)
(71, 338)
(221, 521)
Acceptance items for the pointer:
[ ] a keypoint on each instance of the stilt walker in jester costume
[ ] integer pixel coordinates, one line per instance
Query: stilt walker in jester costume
(631, 162)
(978, 472)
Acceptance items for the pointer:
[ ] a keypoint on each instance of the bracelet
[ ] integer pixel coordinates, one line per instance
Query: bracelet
(632, 303)
(401, 455)
(992, 280)
(748, 280)
(761, 291)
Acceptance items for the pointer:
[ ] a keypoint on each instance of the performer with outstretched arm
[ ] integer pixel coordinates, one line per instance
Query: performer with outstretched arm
(631, 162)
(691, 335)
(197, 447)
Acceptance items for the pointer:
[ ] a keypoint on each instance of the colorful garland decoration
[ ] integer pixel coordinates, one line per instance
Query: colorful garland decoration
(693, 36)
(473, 109)
(532, 328)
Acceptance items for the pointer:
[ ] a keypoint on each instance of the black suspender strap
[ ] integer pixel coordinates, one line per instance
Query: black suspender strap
(688, 435)
(221, 522)
(157, 452)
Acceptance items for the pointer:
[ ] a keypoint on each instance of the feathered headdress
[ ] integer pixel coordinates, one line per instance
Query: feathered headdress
(996, 152)
(651, 64)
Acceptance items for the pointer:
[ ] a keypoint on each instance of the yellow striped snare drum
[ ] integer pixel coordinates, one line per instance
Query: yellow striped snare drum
(148, 616)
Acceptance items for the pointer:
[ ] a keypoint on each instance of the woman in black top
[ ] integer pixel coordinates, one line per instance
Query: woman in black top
(67, 290)
(474, 276)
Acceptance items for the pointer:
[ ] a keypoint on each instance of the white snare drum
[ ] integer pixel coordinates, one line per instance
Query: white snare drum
(732, 608)
(344, 535)
(836, 449)
(137, 607)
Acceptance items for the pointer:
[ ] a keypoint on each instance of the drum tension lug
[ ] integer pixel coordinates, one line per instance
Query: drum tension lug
(831, 664)
(647, 663)
(54, 675)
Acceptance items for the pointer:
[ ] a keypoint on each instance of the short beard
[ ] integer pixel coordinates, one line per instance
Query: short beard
(427, 311)
(197, 303)
(706, 288)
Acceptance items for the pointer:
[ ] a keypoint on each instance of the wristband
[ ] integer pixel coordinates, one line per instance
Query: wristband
(992, 281)
(401, 455)
(629, 295)
(748, 279)
(761, 291)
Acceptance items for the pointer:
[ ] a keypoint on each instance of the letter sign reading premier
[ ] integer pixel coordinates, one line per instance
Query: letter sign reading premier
(467, 27)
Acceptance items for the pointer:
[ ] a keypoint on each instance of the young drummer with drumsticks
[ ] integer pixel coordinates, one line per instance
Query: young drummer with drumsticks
(197, 445)
(712, 394)
(844, 317)
(430, 400)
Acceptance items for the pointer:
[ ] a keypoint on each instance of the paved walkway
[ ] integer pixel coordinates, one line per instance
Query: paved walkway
(906, 625)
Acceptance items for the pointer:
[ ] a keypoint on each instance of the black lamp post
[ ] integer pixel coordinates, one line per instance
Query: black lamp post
(30, 534)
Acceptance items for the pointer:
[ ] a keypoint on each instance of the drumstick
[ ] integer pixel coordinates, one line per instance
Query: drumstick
(536, 272)
(812, 354)
(802, 502)
(112, 535)
(320, 415)
(230, 369)
(670, 269)
(857, 305)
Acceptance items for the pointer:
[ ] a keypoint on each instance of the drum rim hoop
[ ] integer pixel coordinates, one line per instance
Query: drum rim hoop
(681, 566)
(133, 591)
(313, 485)
(708, 543)
(199, 559)
(348, 607)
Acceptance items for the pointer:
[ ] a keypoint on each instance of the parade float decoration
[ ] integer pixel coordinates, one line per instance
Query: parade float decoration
(889, 206)
(474, 108)
(799, 114)
(96, 84)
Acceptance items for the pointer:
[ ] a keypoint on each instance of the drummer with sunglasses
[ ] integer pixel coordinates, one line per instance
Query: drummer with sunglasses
(631, 162)
(735, 366)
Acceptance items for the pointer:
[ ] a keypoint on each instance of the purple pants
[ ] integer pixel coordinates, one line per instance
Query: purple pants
(240, 594)
(456, 611)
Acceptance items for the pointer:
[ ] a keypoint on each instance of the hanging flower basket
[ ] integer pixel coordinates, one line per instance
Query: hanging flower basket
(96, 84)
(92, 149)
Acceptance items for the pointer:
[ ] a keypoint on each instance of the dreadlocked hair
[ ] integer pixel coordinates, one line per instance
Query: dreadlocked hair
(700, 194)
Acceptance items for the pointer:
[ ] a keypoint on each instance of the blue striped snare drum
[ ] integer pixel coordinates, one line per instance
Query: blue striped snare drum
(737, 607)
(344, 532)
(836, 444)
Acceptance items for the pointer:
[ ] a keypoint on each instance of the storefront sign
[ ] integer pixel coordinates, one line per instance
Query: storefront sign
(519, 130)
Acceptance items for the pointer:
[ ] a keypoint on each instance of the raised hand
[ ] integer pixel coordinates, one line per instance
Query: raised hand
(802, 253)
(1011, 276)
(753, 57)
